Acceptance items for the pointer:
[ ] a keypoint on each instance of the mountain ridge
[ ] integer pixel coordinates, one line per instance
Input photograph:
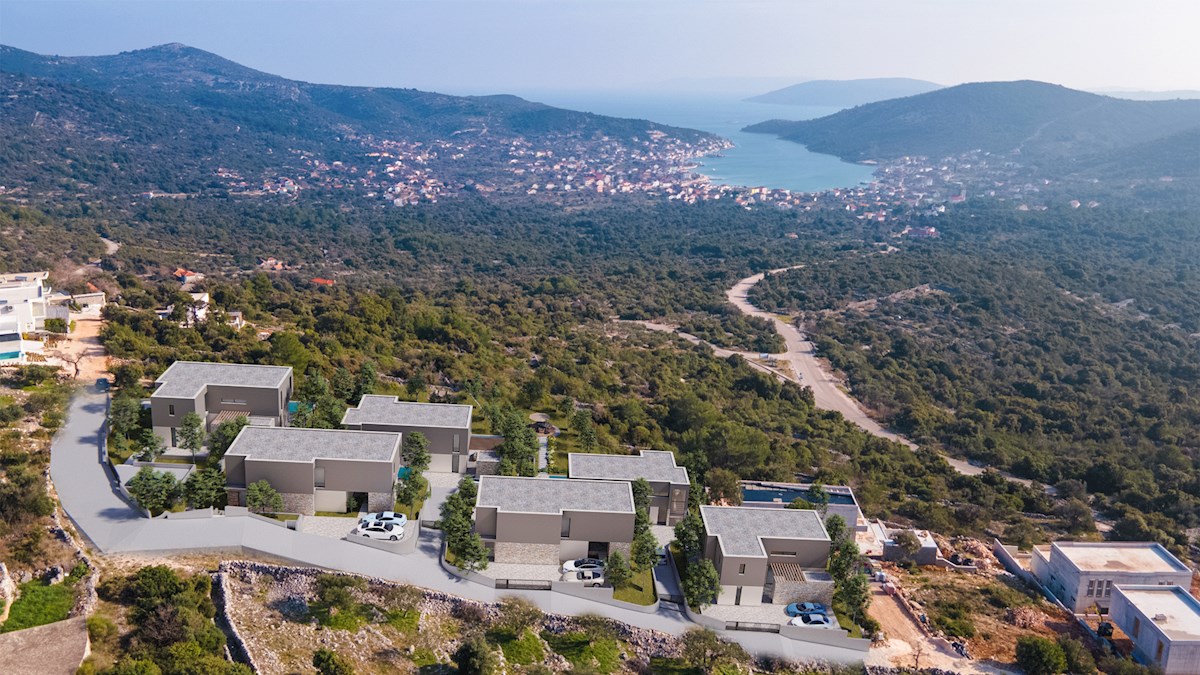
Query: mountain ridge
(845, 93)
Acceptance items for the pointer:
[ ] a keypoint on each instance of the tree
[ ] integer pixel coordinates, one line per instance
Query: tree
(472, 554)
(223, 436)
(262, 498)
(153, 490)
(644, 551)
(205, 488)
(835, 527)
(342, 384)
(843, 559)
(617, 571)
(723, 487)
(689, 534)
(125, 415)
(587, 435)
(415, 451)
(287, 350)
(907, 542)
(641, 494)
(329, 662)
(854, 595)
(191, 433)
(1079, 660)
(704, 650)
(368, 378)
(127, 375)
(1040, 656)
(818, 497)
(475, 657)
(411, 490)
(702, 584)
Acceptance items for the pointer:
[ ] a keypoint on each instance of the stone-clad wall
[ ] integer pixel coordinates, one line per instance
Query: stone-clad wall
(295, 502)
(788, 591)
(532, 554)
(380, 501)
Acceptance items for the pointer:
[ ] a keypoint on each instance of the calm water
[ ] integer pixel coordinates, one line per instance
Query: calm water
(757, 159)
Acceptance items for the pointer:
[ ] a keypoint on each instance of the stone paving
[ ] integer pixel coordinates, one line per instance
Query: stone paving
(327, 526)
(665, 534)
(497, 570)
(765, 613)
(442, 479)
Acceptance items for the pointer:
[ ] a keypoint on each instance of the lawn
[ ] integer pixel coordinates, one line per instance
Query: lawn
(336, 514)
(283, 517)
(602, 654)
(845, 622)
(524, 651)
(640, 589)
(41, 603)
(413, 512)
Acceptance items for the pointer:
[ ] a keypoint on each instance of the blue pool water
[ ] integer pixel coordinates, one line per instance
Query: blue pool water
(787, 495)
(9, 355)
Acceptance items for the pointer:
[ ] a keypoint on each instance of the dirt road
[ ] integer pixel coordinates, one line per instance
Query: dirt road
(905, 639)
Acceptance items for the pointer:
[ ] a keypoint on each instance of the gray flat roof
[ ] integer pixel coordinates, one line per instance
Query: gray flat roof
(653, 465)
(186, 379)
(554, 495)
(1177, 612)
(292, 444)
(740, 529)
(1120, 556)
(374, 409)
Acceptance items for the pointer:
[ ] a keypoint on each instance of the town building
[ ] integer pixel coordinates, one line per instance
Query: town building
(25, 304)
(546, 520)
(447, 426)
(669, 482)
(840, 499)
(1082, 574)
(767, 555)
(218, 392)
(1163, 622)
(315, 469)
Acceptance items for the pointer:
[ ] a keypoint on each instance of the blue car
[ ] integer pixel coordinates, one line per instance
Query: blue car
(798, 608)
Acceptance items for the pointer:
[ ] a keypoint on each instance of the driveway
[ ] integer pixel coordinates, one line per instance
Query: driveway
(89, 496)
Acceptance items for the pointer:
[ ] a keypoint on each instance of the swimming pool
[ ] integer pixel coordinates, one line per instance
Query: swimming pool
(6, 356)
(788, 495)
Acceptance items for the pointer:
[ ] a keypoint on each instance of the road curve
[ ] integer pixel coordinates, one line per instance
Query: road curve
(801, 355)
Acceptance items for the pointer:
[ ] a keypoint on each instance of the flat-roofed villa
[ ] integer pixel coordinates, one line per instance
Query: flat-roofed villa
(767, 555)
(668, 481)
(315, 469)
(218, 392)
(1082, 574)
(547, 521)
(446, 425)
(1163, 622)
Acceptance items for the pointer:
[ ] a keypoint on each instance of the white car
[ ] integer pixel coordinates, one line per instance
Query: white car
(583, 564)
(589, 578)
(397, 519)
(814, 620)
(379, 530)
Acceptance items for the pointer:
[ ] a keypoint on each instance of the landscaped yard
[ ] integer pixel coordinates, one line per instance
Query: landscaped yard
(640, 589)
(336, 514)
(281, 516)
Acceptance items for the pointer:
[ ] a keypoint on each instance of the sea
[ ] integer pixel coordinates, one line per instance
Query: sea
(756, 160)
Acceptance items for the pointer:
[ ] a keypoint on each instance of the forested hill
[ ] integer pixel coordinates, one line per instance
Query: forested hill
(845, 93)
(1039, 121)
(133, 105)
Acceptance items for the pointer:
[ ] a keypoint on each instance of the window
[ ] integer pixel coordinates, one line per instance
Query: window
(1108, 588)
(320, 477)
(566, 527)
(171, 409)
(742, 568)
(1158, 652)
(1137, 626)
(1091, 592)
(233, 401)
(457, 443)
(791, 554)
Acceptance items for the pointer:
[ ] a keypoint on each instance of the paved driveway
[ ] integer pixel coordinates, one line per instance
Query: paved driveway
(90, 498)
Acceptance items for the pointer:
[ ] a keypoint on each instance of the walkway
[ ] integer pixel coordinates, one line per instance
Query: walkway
(89, 496)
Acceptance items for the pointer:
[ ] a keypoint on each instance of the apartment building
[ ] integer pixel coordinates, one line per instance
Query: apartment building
(547, 520)
(1082, 575)
(446, 425)
(219, 392)
(669, 482)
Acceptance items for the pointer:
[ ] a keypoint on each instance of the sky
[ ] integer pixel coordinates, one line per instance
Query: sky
(742, 46)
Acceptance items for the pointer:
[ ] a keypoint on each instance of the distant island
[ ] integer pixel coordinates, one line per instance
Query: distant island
(1034, 122)
(846, 93)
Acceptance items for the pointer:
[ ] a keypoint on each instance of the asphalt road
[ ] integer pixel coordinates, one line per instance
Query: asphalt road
(90, 496)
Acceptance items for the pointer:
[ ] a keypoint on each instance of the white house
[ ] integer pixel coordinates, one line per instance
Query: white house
(25, 304)
(1082, 575)
(1163, 622)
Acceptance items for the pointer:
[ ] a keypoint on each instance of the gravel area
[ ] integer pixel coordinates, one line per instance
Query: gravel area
(767, 613)
(523, 571)
(665, 534)
(327, 526)
(442, 479)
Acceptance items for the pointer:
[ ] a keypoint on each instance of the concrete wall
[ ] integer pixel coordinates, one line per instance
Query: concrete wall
(529, 528)
(357, 475)
(163, 421)
(441, 443)
(597, 526)
(264, 401)
(1070, 585)
(330, 500)
(751, 595)
(296, 477)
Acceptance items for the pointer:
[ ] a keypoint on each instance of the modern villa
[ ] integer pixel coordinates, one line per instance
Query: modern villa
(446, 425)
(219, 392)
(1163, 622)
(546, 521)
(668, 481)
(767, 555)
(25, 304)
(315, 469)
(1082, 574)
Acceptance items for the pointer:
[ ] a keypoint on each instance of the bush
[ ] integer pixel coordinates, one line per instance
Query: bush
(329, 662)
(1040, 656)
(56, 325)
(1079, 660)
(475, 657)
(518, 614)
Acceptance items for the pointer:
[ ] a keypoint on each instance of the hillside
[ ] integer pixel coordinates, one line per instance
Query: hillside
(215, 116)
(1038, 120)
(846, 93)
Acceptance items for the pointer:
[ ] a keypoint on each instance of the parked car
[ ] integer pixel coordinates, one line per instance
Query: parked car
(583, 564)
(397, 519)
(378, 530)
(102, 384)
(589, 578)
(810, 620)
(798, 608)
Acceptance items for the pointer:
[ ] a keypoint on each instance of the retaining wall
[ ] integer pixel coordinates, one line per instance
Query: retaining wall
(235, 644)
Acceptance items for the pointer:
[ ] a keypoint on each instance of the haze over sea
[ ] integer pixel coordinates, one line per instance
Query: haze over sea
(757, 160)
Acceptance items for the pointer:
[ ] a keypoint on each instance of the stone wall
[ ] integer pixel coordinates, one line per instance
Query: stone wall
(296, 502)
(381, 501)
(235, 644)
(788, 591)
(536, 554)
(623, 546)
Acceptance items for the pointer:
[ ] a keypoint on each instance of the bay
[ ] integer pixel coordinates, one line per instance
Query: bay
(756, 160)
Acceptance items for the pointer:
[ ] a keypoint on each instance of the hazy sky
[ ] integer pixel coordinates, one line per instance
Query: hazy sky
(489, 46)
